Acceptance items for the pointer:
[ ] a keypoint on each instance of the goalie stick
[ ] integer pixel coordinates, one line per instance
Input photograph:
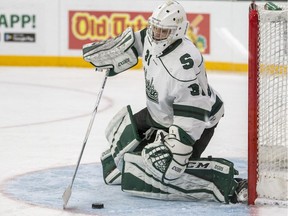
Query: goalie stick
(67, 193)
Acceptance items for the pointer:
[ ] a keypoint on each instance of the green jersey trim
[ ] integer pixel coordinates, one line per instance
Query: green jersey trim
(143, 35)
(191, 112)
(216, 106)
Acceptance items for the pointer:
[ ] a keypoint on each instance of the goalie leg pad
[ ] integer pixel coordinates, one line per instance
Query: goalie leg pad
(122, 135)
(217, 170)
(111, 175)
(140, 181)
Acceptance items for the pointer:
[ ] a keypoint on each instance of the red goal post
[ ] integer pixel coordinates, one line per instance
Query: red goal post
(252, 102)
(267, 104)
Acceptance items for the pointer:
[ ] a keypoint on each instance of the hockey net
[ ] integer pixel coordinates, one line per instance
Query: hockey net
(268, 105)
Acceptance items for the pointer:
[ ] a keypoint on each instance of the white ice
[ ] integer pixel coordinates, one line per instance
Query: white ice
(44, 115)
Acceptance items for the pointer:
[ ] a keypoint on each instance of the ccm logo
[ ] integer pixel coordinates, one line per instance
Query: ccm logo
(198, 165)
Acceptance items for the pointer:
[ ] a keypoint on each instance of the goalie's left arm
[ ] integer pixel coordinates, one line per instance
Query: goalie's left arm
(116, 54)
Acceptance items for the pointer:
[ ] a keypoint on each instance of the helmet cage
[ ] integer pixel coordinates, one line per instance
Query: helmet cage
(160, 33)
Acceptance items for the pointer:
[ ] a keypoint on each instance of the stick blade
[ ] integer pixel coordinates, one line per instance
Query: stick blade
(66, 196)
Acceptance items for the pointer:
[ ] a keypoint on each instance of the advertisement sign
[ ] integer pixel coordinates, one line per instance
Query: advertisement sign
(87, 26)
(29, 28)
(199, 31)
(24, 24)
(55, 31)
(90, 26)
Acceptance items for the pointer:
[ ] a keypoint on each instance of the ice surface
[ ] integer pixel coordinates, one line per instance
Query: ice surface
(44, 116)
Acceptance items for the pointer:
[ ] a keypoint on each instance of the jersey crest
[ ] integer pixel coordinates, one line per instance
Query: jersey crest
(151, 92)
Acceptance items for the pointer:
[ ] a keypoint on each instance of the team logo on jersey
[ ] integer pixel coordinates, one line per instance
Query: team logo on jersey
(151, 92)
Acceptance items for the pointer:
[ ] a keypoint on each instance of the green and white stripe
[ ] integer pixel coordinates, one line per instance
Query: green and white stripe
(191, 112)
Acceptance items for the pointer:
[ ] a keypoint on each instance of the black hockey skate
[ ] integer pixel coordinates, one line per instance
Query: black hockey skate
(241, 193)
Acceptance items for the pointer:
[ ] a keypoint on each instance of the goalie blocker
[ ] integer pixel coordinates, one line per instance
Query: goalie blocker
(161, 170)
(116, 54)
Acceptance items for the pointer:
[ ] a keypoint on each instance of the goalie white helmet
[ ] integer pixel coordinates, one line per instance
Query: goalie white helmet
(167, 24)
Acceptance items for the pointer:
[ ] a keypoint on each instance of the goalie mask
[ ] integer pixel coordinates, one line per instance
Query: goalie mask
(167, 24)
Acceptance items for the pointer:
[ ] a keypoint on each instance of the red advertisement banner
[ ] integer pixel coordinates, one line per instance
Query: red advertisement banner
(90, 26)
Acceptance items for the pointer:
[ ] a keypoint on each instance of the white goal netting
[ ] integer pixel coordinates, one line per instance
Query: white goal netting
(272, 186)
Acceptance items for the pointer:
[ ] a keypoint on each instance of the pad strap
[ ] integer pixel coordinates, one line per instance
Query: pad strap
(111, 175)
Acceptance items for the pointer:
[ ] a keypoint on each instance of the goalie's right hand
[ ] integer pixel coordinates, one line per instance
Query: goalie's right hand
(116, 54)
(167, 157)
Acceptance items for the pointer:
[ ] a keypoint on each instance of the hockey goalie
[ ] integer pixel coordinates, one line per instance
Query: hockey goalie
(156, 152)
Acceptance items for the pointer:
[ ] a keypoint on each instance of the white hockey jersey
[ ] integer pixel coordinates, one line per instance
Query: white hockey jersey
(177, 89)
